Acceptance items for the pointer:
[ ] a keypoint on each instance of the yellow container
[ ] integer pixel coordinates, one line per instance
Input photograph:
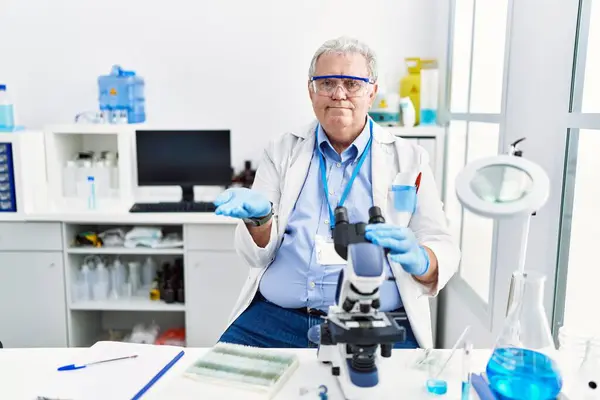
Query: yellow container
(410, 84)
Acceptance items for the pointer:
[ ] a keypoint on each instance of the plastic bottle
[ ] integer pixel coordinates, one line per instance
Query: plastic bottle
(134, 277)
(7, 117)
(429, 92)
(386, 108)
(149, 271)
(410, 84)
(121, 275)
(88, 277)
(102, 283)
(84, 283)
(407, 110)
(70, 172)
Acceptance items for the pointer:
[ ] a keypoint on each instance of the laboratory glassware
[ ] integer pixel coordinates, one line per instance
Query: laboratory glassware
(522, 364)
(7, 118)
(572, 348)
(588, 376)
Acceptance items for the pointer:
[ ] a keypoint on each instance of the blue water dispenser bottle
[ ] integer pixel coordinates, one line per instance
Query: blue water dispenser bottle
(121, 96)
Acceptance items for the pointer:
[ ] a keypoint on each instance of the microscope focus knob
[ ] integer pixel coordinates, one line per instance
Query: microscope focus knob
(376, 303)
(348, 305)
(386, 350)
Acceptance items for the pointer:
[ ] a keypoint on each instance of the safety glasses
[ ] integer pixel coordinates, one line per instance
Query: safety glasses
(353, 86)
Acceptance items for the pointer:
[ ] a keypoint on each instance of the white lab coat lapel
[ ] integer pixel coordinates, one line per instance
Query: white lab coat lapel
(379, 182)
(294, 179)
(382, 166)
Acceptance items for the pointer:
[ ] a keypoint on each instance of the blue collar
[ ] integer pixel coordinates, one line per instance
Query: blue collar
(357, 147)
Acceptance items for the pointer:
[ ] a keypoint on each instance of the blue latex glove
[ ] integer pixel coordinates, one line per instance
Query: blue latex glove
(403, 246)
(242, 203)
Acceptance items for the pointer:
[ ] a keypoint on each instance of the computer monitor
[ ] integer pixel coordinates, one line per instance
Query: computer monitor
(185, 158)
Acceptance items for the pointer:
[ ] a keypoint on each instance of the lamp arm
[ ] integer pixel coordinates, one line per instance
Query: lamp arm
(521, 264)
(524, 239)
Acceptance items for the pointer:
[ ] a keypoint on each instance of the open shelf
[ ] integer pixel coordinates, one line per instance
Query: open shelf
(127, 304)
(123, 250)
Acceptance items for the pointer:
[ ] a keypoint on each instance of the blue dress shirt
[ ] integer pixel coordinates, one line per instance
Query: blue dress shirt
(295, 279)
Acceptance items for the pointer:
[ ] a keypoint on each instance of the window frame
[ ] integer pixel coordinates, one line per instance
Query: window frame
(575, 120)
(482, 309)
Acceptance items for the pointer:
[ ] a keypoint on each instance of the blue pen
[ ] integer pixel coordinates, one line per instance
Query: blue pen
(72, 367)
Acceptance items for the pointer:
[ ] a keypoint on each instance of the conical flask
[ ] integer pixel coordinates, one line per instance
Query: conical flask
(522, 365)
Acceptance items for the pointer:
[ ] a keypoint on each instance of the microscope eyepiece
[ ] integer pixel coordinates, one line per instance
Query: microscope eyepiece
(375, 215)
(341, 216)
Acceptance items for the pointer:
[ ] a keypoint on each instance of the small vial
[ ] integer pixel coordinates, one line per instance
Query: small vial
(91, 192)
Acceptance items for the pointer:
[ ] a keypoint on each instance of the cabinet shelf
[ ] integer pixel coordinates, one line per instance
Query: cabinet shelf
(123, 250)
(127, 304)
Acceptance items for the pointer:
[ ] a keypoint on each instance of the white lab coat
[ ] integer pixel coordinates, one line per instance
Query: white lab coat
(280, 177)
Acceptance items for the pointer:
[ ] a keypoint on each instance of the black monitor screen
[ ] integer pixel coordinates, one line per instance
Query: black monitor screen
(183, 158)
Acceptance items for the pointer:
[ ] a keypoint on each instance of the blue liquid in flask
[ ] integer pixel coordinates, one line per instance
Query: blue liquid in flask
(517, 374)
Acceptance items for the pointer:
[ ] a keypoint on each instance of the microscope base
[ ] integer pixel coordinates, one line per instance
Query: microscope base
(354, 385)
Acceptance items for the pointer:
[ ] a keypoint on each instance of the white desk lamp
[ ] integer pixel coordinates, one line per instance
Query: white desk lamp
(504, 186)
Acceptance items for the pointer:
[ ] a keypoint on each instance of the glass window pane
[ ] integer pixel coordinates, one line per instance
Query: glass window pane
(583, 273)
(455, 161)
(478, 232)
(488, 56)
(591, 83)
(461, 55)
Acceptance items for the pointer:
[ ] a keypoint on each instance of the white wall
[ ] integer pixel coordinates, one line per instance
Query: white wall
(235, 64)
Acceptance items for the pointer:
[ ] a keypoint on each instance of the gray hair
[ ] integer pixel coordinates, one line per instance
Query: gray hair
(346, 45)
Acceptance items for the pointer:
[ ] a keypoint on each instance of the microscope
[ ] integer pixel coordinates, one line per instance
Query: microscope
(354, 328)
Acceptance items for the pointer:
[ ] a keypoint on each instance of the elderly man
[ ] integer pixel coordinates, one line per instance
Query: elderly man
(342, 158)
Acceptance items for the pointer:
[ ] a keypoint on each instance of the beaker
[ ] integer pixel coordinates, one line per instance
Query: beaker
(522, 364)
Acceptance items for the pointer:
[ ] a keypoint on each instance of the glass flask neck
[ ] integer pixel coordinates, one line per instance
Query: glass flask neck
(527, 288)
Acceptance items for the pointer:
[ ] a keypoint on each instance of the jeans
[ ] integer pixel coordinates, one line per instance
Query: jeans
(264, 324)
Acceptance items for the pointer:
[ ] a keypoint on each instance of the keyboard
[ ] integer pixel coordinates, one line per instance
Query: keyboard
(164, 207)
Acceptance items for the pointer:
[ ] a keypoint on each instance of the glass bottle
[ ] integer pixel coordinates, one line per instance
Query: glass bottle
(522, 365)
(587, 385)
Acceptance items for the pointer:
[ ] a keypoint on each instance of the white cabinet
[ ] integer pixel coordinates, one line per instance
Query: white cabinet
(32, 299)
(214, 280)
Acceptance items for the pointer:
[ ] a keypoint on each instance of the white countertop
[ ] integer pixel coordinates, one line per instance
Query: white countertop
(131, 218)
(25, 371)
(115, 213)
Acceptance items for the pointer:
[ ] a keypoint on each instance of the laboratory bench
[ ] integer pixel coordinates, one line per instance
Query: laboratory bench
(402, 376)
(39, 263)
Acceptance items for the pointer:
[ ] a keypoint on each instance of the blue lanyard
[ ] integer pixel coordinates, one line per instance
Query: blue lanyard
(355, 172)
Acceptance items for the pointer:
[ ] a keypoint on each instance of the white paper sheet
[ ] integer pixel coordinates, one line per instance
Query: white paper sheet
(116, 380)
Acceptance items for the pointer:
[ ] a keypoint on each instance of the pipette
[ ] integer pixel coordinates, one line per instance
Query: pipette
(466, 371)
(458, 342)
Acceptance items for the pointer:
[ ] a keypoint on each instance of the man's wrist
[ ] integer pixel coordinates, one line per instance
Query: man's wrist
(427, 259)
(260, 221)
(430, 275)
